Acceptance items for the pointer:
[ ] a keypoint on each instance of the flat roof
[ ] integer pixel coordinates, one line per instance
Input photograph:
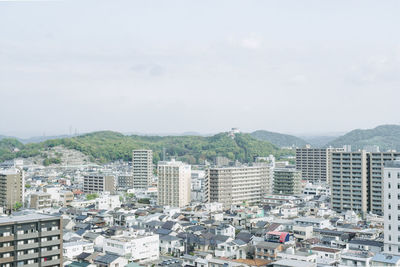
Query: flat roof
(293, 263)
(26, 217)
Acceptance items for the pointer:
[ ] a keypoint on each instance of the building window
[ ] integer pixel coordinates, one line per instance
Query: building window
(388, 174)
(390, 237)
(389, 196)
(390, 227)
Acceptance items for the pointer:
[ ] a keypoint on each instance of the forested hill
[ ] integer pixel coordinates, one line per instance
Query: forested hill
(278, 139)
(384, 136)
(108, 146)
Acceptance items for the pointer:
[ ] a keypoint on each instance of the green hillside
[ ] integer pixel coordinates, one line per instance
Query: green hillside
(278, 139)
(385, 136)
(108, 146)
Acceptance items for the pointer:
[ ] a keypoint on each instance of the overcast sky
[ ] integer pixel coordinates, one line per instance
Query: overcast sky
(203, 66)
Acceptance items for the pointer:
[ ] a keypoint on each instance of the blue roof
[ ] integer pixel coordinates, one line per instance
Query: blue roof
(386, 258)
(78, 264)
(108, 258)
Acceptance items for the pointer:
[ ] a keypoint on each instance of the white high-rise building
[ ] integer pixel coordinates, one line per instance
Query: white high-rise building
(391, 200)
(142, 165)
(174, 182)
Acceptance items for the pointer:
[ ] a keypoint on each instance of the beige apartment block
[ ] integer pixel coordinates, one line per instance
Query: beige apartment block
(174, 181)
(238, 185)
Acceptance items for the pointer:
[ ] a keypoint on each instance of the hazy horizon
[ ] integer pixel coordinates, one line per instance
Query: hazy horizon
(291, 67)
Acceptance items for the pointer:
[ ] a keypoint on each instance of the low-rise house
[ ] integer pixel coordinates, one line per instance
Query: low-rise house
(40, 200)
(108, 202)
(279, 237)
(267, 250)
(110, 260)
(288, 212)
(353, 258)
(224, 229)
(236, 249)
(298, 255)
(386, 260)
(314, 222)
(365, 244)
(291, 263)
(94, 238)
(302, 232)
(224, 263)
(138, 246)
(73, 249)
(172, 245)
(328, 256)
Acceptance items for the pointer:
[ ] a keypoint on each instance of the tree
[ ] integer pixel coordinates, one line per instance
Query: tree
(91, 196)
(17, 206)
(130, 195)
(144, 201)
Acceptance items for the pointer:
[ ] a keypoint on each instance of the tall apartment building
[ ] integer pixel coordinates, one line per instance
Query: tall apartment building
(31, 240)
(287, 181)
(314, 163)
(357, 179)
(96, 183)
(142, 165)
(236, 185)
(12, 187)
(174, 181)
(391, 216)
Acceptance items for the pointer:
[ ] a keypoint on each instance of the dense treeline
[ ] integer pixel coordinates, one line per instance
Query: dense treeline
(109, 146)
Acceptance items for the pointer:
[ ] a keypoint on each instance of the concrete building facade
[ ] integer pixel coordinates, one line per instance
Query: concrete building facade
(31, 240)
(287, 181)
(142, 165)
(96, 183)
(174, 182)
(40, 200)
(12, 187)
(391, 189)
(125, 181)
(314, 163)
(357, 179)
(236, 185)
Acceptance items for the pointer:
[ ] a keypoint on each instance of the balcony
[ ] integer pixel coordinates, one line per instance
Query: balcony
(27, 246)
(6, 260)
(27, 256)
(6, 249)
(50, 243)
(50, 252)
(50, 262)
(28, 236)
(32, 265)
(50, 233)
(6, 238)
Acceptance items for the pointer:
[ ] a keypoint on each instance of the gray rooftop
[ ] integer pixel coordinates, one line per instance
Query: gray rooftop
(26, 217)
(392, 164)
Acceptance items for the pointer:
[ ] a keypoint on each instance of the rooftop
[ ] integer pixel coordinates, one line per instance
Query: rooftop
(26, 217)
